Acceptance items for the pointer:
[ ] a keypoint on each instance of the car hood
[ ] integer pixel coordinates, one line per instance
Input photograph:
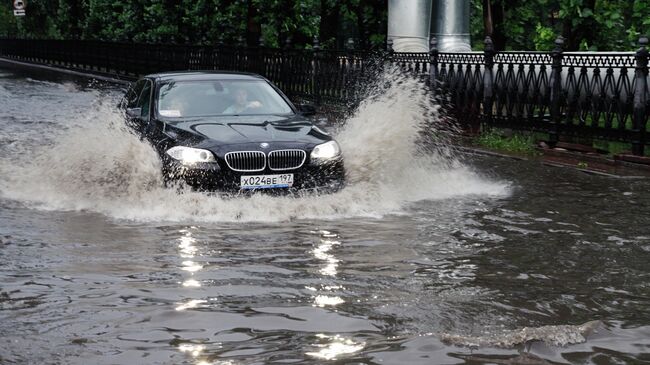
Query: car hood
(224, 131)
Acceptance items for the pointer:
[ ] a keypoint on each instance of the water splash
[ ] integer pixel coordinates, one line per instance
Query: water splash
(560, 335)
(98, 165)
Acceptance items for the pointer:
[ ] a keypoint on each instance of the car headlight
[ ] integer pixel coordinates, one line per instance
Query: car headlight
(189, 155)
(326, 151)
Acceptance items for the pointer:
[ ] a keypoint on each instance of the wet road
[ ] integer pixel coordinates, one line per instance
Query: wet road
(422, 259)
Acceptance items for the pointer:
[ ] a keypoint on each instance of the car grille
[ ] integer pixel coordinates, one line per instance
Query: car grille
(251, 161)
(286, 159)
(246, 160)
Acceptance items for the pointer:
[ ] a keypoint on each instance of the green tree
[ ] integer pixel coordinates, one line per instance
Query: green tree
(516, 24)
(8, 24)
(585, 24)
(38, 23)
(70, 18)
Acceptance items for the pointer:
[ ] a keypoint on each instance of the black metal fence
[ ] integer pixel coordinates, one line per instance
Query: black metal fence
(322, 76)
(567, 95)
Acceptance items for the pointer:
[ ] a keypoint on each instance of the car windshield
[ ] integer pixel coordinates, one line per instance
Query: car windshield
(223, 97)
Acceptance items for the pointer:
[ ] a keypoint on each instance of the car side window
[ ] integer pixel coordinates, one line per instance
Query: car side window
(144, 101)
(133, 94)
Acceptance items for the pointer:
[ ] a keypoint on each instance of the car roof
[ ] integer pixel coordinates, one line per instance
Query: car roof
(203, 75)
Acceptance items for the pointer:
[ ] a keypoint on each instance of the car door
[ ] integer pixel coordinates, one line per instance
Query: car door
(153, 127)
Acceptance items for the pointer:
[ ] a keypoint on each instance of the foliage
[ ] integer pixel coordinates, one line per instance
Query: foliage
(203, 21)
(594, 25)
(8, 24)
(518, 24)
(544, 37)
(476, 26)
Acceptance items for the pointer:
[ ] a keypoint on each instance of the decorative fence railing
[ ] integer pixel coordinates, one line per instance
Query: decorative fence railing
(314, 74)
(567, 95)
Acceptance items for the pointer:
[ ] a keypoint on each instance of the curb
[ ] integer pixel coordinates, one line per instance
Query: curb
(601, 165)
(98, 76)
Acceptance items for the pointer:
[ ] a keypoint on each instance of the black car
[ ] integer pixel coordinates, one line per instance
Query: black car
(232, 131)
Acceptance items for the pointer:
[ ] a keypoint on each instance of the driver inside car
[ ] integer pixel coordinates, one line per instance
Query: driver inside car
(241, 103)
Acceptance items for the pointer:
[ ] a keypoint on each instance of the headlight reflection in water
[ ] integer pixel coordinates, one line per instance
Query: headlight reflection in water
(194, 350)
(186, 244)
(190, 304)
(323, 252)
(334, 347)
(188, 251)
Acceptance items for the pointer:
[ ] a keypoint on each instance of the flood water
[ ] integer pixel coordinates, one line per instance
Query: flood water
(425, 258)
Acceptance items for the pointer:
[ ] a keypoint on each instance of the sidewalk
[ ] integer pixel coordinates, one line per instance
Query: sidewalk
(623, 165)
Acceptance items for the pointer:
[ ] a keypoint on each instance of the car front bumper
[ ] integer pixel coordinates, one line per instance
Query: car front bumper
(325, 177)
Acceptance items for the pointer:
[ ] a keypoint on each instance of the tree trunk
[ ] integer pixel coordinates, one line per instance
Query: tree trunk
(329, 23)
(575, 34)
(498, 33)
(361, 26)
(488, 26)
(253, 28)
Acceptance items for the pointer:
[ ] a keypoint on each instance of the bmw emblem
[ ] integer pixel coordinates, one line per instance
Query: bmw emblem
(264, 145)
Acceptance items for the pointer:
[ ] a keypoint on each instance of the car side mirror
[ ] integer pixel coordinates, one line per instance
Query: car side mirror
(134, 112)
(306, 109)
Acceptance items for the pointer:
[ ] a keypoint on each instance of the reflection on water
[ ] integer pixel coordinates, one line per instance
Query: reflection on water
(186, 244)
(324, 300)
(188, 250)
(194, 303)
(329, 263)
(191, 266)
(323, 252)
(191, 283)
(194, 350)
(334, 347)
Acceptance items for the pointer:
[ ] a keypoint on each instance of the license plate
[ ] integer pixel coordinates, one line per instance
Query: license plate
(267, 181)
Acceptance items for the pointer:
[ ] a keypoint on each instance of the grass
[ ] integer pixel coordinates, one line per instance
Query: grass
(524, 143)
(516, 143)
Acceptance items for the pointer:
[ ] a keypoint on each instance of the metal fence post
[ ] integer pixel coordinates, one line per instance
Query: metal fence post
(219, 54)
(242, 63)
(348, 88)
(390, 51)
(349, 51)
(488, 81)
(286, 67)
(640, 98)
(260, 67)
(556, 90)
(433, 64)
(315, 71)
